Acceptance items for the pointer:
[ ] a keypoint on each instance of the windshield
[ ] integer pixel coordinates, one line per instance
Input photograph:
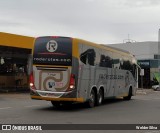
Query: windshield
(53, 51)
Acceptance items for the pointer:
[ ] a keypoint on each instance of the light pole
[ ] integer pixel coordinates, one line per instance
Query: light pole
(159, 53)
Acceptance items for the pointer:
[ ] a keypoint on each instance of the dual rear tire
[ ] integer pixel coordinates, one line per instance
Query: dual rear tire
(95, 99)
(129, 95)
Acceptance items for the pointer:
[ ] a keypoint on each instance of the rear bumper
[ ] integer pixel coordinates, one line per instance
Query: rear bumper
(55, 96)
(58, 99)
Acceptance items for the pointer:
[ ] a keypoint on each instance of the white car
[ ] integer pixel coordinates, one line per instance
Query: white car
(156, 87)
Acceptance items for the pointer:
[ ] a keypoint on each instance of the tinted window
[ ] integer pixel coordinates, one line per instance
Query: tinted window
(106, 59)
(53, 51)
(116, 60)
(88, 57)
(128, 65)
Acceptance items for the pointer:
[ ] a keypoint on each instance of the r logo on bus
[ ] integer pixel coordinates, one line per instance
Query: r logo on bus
(52, 46)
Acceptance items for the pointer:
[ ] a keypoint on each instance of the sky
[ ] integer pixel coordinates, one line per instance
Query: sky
(100, 21)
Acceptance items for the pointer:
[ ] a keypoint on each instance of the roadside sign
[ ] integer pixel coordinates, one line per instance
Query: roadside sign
(142, 72)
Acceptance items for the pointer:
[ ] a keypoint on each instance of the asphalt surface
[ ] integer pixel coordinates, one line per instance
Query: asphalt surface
(18, 108)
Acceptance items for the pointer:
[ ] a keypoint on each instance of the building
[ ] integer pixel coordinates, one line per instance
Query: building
(147, 54)
(14, 51)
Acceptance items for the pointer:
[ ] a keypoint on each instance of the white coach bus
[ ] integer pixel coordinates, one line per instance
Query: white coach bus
(69, 70)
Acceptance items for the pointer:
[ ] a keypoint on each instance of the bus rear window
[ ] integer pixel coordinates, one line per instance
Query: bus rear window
(53, 51)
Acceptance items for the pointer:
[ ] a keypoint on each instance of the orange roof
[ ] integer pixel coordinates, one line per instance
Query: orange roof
(13, 40)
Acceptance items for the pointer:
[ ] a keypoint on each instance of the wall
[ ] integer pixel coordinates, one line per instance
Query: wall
(141, 50)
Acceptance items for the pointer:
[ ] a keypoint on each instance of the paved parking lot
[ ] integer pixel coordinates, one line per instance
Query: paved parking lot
(18, 108)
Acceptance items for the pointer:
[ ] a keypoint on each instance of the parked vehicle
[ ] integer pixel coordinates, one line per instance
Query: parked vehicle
(156, 87)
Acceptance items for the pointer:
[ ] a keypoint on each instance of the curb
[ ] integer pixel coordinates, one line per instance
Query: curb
(144, 91)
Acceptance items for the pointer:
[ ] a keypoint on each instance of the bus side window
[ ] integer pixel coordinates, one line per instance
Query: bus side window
(83, 57)
(91, 57)
(128, 65)
(105, 61)
(116, 61)
(102, 61)
(88, 57)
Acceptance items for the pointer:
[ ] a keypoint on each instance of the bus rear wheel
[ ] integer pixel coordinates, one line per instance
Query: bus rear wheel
(129, 95)
(92, 99)
(100, 97)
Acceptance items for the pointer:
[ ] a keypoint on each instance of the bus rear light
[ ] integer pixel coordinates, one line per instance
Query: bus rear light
(31, 81)
(55, 36)
(72, 82)
(71, 87)
(31, 84)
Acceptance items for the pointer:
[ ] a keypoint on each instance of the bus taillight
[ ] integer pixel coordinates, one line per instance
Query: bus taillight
(31, 81)
(72, 82)
(55, 36)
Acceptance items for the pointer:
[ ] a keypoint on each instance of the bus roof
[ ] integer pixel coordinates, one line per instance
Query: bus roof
(106, 47)
(122, 50)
